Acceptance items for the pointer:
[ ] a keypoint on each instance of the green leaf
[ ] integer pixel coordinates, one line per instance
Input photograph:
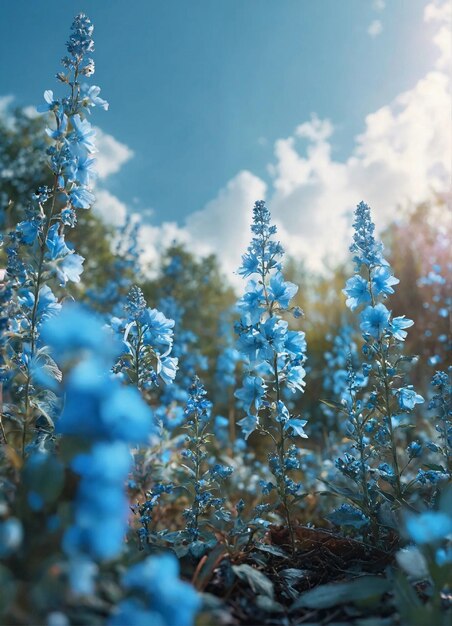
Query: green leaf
(258, 582)
(269, 605)
(353, 496)
(434, 467)
(332, 594)
(291, 575)
(265, 547)
(334, 405)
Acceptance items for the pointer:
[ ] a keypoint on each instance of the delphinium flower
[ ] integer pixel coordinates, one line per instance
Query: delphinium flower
(441, 404)
(342, 354)
(186, 341)
(274, 356)
(202, 481)
(428, 558)
(388, 401)
(185, 349)
(226, 372)
(147, 336)
(156, 595)
(437, 311)
(107, 417)
(39, 259)
(148, 340)
(356, 461)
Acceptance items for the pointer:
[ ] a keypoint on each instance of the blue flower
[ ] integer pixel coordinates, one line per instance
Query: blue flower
(167, 368)
(56, 244)
(11, 535)
(295, 342)
(70, 268)
(383, 280)
(91, 97)
(250, 265)
(357, 292)
(367, 250)
(430, 527)
(295, 378)
(398, 325)
(158, 328)
(387, 473)
(281, 291)
(101, 506)
(29, 230)
(167, 599)
(81, 198)
(50, 104)
(250, 305)
(83, 134)
(275, 332)
(48, 305)
(414, 450)
(296, 426)
(75, 330)
(98, 407)
(375, 320)
(59, 132)
(220, 471)
(248, 424)
(81, 168)
(408, 398)
(253, 345)
(136, 304)
(68, 217)
(252, 392)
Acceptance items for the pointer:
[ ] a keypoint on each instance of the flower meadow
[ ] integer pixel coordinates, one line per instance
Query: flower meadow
(173, 453)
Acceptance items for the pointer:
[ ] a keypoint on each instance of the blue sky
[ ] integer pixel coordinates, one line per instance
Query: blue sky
(201, 89)
(214, 99)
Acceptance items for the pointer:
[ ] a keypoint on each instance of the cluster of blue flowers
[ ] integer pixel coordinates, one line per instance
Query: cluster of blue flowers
(202, 478)
(40, 261)
(336, 380)
(185, 348)
(274, 355)
(190, 360)
(441, 403)
(438, 306)
(148, 340)
(99, 410)
(374, 421)
(157, 596)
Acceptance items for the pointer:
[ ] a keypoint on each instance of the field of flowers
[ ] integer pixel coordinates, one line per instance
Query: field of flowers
(170, 456)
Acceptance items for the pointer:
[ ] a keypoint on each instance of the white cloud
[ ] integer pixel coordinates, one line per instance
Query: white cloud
(5, 103)
(379, 5)
(109, 207)
(402, 155)
(112, 154)
(222, 226)
(375, 28)
(440, 12)
(155, 239)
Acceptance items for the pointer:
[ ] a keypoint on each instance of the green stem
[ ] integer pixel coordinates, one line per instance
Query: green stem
(387, 402)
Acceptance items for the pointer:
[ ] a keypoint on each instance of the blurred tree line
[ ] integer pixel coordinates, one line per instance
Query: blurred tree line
(417, 244)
